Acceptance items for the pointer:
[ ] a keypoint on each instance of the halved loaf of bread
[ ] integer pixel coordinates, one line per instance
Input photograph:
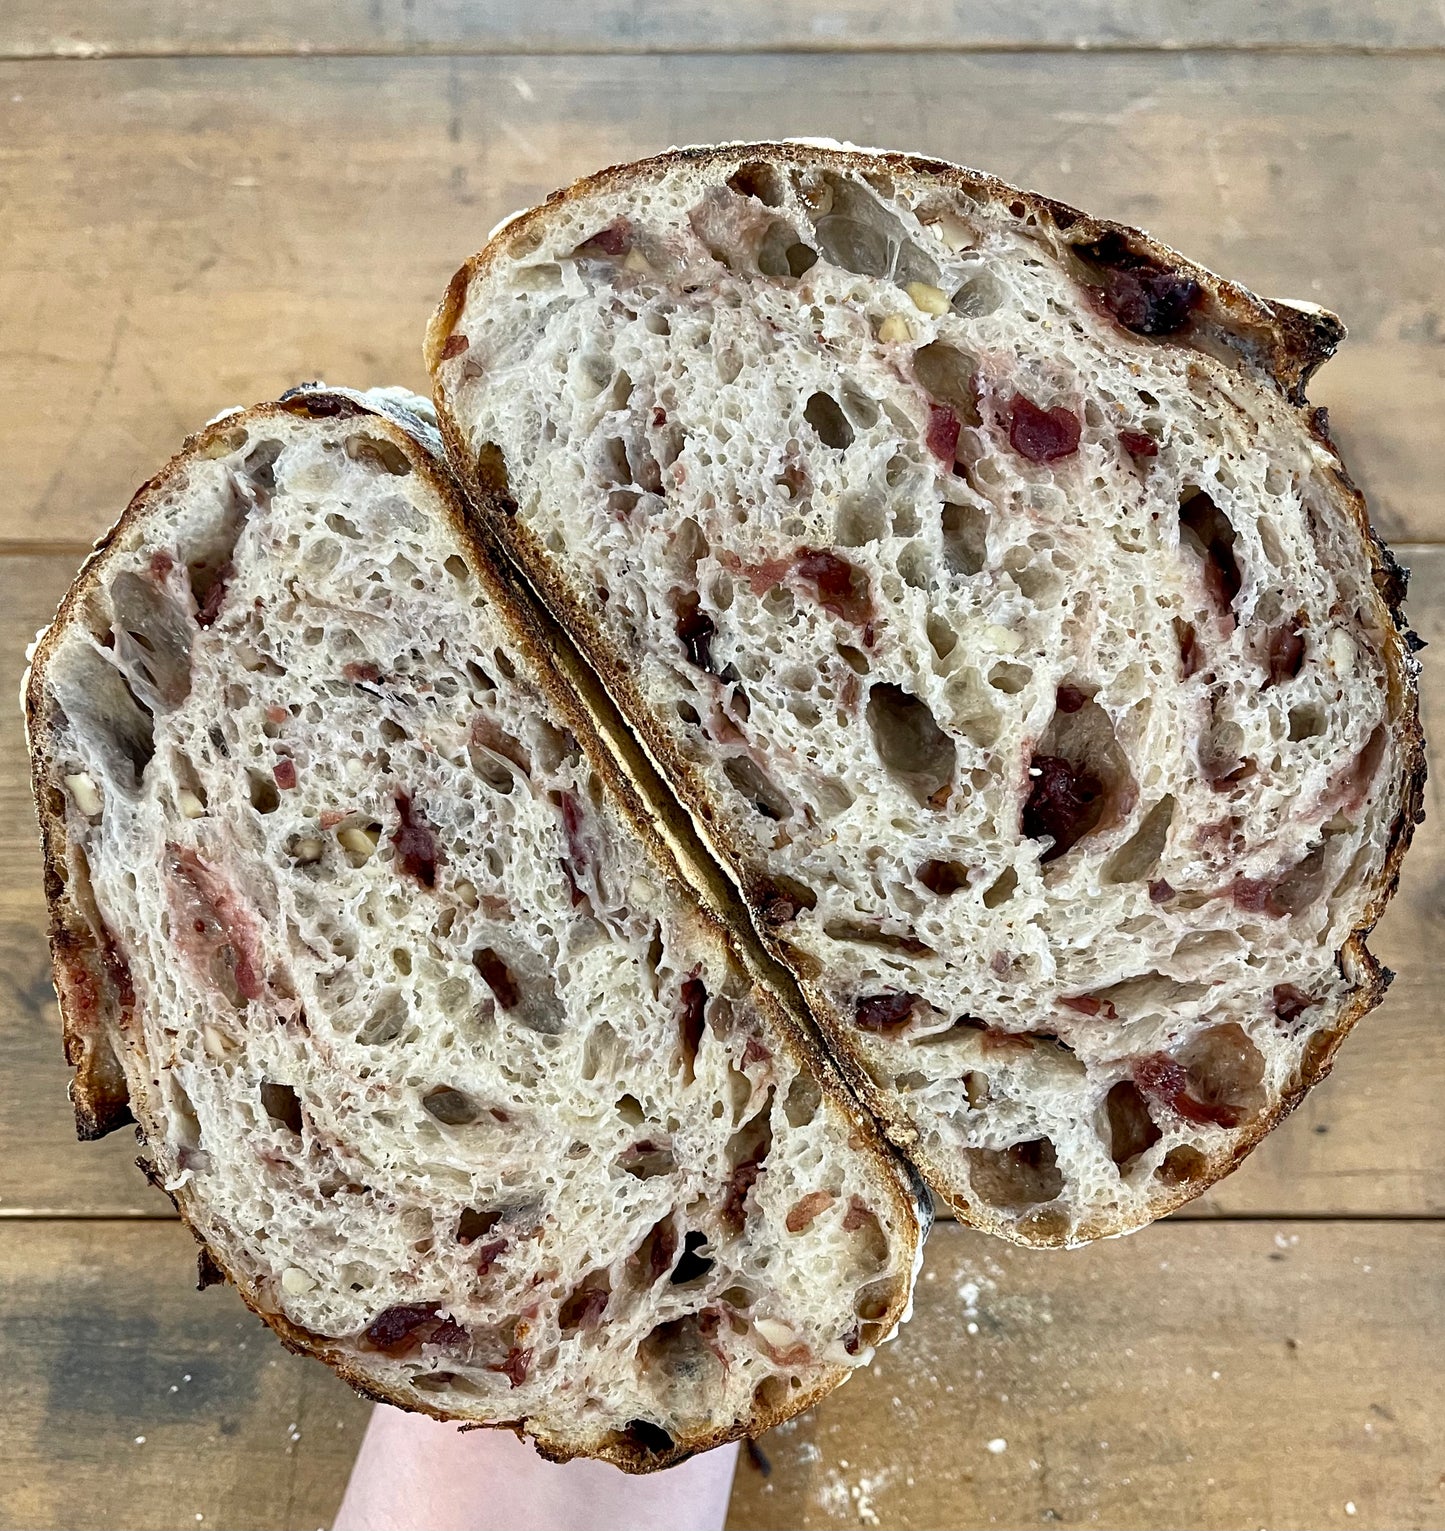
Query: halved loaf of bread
(977, 576)
(425, 1037)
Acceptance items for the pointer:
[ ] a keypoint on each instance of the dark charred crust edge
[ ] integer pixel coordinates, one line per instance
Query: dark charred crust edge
(515, 604)
(1283, 344)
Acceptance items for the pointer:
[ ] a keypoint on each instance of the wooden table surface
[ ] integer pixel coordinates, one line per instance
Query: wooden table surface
(203, 201)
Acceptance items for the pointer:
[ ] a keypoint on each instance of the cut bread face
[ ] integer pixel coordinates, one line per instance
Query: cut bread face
(424, 1035)
(974, 573)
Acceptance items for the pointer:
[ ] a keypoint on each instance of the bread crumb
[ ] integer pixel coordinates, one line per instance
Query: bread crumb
(998, 1445)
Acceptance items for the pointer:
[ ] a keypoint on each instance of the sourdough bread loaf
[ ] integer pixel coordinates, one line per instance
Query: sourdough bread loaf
(979, 578)
(423, 1034)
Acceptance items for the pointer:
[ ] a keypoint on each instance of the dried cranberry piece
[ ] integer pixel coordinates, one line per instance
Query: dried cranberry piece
(210, 607)
(1286, 653)
(781, 901)
(695, 629)
(803, 1212)
(360, 670)
(692, 1004)
(1041, 435)
(754, 1052)
(1065, 802)
(584, 1308)
(733, 1211)
(284, 772)
(614, 240)
(448, 1332)
(1163, 1079)
(1150, 302)
(1190, 656)
(1091, 1004)
(454, 346)
(857, 1216)
(842, 588)
(662, 1251)
(489, 1254)
(498, 977)
(1144, 295)
(1256, 896)
(1215, 535)
(1138, 443)
(1290, 1003)
(943, 429)
(1069, 698)
(415, 842)
(1160, 891)
(394, 1330)
(516, 1366)
(579, 850)
(885, 1013)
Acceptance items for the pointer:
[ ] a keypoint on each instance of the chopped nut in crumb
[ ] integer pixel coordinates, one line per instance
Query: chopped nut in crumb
(895, 329)
(358, 842)
(83, 790)
(927, 298)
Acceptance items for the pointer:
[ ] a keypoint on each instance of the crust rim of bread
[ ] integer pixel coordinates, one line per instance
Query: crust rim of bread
(89, 997)
(1290, 341)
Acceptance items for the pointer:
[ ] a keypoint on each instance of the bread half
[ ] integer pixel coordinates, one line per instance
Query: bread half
(979, 578)
(424, 1035)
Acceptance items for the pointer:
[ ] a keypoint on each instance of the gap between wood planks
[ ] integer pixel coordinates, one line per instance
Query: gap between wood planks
(93, 53)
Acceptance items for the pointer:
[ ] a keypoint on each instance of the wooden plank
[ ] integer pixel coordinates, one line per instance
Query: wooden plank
(180, 235)
(1239, 1375)
(80, 28)
(1367, 1142)
(1196, 1375)
(134, 1401)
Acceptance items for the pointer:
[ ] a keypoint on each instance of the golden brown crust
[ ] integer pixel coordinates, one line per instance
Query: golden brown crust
(1282, 343)
(81, 970)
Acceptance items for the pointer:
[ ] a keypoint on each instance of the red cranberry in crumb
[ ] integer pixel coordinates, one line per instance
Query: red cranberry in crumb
(1091, 1004)
(1290, 1003)
(210, 607)
(1160, 892)
(804, 1211)
(1162, 1079)
(1189, 654)
(1286, 653)
(1069, 699)
(857, 1216)
(415, 843)
(842, 588)
(1138, 443)
(754, 1052)
(285, 773)
(488, 1255)
(1065, 802)
(885, 1013)
(1041, 435)
(360, 670)
(615, 240)
(943, 429)
(453, 346)
(394, 1330)
(695, 630)
(1141, 293)
(516, 1366)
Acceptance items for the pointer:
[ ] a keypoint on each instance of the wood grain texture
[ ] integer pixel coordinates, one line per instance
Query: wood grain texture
(134, 1401)
(1367, 1142)
(79, 28)
(180, 235)
(1203, 1376)
(1239, 1375)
